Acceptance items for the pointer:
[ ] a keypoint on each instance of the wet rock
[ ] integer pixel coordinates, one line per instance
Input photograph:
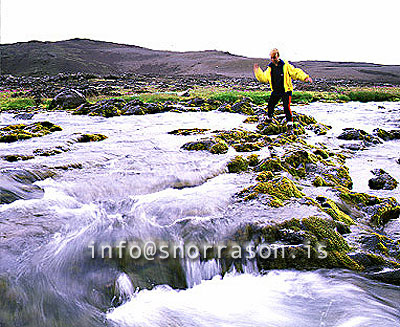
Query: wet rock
(398, 161)
(358, 134)
(90, 138)
(379, 210)
(50, 152)
(16, 184)
(308, 243)
(196, 102)
(17, 132)
(242, 106)
(387, 135)
(24, 116)
(17, 157)
(189, 131)
(68, 99)
(382, 181)
(390, 277)
(105, 108)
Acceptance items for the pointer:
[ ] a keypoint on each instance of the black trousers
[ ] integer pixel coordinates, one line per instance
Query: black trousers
(273, 101)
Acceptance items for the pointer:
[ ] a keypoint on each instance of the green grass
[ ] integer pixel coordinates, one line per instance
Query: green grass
(16, 103)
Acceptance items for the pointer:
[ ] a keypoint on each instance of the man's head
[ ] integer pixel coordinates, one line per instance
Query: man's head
(274, 56)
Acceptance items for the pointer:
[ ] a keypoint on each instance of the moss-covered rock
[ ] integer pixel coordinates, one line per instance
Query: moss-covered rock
(189, 131)
(211, 144)
(17, 132)
(237, 165)
(308, 243)
(90, 138)
(279, 189)
(253, 160)
(251, 120)
(380, 210)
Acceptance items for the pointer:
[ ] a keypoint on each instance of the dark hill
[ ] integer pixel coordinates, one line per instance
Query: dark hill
(83, 55)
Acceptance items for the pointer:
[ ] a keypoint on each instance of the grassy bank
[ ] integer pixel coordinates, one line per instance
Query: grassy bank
(372, 94)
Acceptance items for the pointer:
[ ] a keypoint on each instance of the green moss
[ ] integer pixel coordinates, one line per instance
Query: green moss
(279, 189)
(237, 165)
(332, 210)
(17, 132)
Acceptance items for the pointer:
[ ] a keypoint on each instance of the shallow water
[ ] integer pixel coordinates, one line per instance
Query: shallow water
(138, 184)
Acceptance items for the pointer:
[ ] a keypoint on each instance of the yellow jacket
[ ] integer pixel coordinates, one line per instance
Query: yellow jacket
(289, 72)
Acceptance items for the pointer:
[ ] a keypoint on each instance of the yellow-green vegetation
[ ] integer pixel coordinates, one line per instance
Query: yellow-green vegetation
(381, 210)
(17, 132)
(214, 145)
(279, 190)
(332, 210)
(310, 243)
(237, 164)
(91, 138)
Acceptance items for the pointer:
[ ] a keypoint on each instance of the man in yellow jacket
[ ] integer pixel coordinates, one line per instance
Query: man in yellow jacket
(279, 75)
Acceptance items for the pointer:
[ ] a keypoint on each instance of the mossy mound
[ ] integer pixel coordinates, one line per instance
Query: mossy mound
(308, 243)
(17, 132)
(237, 165)
(91, 138)
(380, 210)
(253, 160)
(331, 208)
(278, 189)
(211, 144)
(242, 106)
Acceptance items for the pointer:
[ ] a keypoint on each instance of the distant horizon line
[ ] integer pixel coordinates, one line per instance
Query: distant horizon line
(188, 51)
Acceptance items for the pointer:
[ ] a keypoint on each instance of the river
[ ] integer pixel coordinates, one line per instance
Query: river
(138, 184)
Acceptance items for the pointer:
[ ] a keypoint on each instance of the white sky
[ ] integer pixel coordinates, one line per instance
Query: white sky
(341, 30)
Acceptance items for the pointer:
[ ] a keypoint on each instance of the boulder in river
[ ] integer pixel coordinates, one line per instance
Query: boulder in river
(382, 180)
(354, 134)
(68, 99)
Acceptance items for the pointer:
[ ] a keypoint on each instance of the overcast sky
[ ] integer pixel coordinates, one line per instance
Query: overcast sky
(341, 30)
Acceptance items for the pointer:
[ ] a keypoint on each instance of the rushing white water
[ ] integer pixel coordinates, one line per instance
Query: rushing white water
(280, 298)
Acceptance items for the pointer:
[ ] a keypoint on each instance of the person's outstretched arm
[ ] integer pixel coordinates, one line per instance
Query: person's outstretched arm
(297, 73)
(260, 75)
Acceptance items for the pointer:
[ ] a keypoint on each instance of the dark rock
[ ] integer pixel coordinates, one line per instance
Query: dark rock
(213, 145)
(382, 181)
(68, 99)
(24, 116)
(358, 134)
(387, 135)
(196, 102)
(90, 138)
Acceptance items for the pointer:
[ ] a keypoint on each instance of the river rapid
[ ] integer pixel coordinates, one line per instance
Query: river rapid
(138, 184)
